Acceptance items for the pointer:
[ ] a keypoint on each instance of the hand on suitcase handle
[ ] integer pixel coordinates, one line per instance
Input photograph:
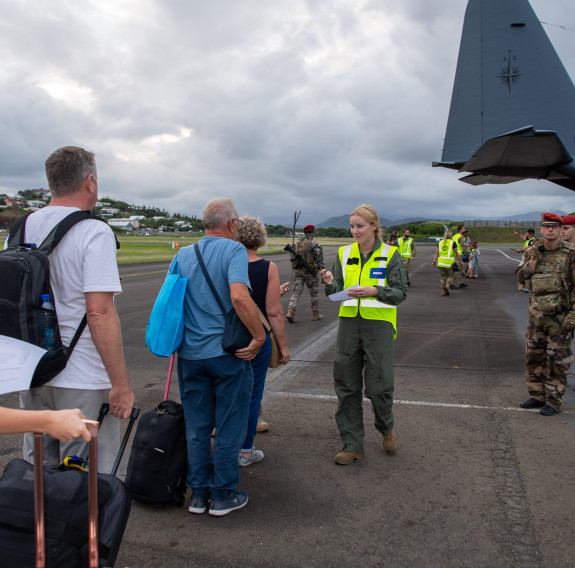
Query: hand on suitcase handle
(67, 424)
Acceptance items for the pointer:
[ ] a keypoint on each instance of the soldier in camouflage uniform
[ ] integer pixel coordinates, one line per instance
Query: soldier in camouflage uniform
(311, 252)
(549, 273)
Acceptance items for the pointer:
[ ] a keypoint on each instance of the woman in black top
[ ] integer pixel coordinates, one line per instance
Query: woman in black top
(265, 284)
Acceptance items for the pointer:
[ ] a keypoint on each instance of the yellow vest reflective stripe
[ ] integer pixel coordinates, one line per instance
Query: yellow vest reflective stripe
(446, 253)
(373, 273)
(527, 243)
(456, 241)
(405, 247)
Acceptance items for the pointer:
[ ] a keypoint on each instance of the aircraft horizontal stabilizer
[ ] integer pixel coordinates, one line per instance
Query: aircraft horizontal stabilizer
(477, 179)
(524, 153)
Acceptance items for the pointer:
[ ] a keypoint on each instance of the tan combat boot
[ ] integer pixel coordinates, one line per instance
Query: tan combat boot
(291, 315)
(390, 443)
(316, 316)
(262, 426)
(345, 458)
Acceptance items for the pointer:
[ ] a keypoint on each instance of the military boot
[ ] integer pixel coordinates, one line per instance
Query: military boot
(316, 315)
(390, 443)
(291, 315)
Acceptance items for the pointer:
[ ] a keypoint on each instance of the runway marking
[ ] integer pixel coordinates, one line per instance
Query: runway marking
(507, 256)
(143, 273)
(333, 398)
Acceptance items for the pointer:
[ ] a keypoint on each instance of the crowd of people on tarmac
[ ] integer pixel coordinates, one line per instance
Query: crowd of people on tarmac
(221, 392)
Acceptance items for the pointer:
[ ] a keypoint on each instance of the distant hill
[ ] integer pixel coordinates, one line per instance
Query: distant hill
(343, 222)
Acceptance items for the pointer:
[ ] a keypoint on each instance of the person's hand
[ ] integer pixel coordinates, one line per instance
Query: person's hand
(67, 424)
(363, 292)
(249, 352)
(326, 276)
(433, 263)
(568, 324)
(121, 401)
(285, 356)
(284, 288)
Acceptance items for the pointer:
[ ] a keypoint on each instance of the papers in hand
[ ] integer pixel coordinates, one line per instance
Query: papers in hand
(343, 295)
(18, 361)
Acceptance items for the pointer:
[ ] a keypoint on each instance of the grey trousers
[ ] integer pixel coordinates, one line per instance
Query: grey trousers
(89, 402)
(364, 353)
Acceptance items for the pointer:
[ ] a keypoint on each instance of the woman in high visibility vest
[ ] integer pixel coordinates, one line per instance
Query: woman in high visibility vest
(445, 256)
(367, 328)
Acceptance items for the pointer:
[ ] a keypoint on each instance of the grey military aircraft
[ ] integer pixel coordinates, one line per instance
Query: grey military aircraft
(512, 114)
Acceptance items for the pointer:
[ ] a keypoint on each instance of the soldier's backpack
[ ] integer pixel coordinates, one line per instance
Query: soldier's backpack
(25, 270)
(304, 249)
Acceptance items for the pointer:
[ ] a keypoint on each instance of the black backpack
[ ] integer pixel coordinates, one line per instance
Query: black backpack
(25, 270)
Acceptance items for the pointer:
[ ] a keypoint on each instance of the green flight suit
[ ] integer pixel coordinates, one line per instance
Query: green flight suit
(366, 344)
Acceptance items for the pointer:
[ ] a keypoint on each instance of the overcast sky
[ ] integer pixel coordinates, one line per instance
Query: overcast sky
(311, 105)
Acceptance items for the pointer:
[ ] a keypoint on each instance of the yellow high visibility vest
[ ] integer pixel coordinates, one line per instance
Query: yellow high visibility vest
(405, 247)
(456, 241)
(446, 253)
(527, 243)
(371, 274)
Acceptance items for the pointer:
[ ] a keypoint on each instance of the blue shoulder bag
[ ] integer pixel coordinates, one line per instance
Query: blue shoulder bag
(165, 329)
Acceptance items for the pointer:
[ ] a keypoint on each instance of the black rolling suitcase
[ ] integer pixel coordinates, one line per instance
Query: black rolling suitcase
(158, 460)
(59, 516)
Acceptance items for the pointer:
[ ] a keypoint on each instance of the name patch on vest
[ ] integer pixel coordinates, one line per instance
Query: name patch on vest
(377, 273)
(379, 258)
(352, 261)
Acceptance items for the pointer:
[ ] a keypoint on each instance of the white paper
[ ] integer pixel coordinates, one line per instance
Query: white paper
(18, 360)
(343, 295)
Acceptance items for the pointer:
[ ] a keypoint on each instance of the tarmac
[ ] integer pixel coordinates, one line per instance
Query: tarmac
(477, 481)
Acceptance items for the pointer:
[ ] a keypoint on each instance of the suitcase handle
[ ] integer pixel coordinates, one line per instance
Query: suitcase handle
(167, 391)
(40, 532)
(93, 427)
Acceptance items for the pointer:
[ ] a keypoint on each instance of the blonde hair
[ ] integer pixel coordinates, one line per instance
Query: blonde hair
(251, 232)
(368, 213)
(448, 234)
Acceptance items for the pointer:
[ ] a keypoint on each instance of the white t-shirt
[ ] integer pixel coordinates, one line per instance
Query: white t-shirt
(84, 261)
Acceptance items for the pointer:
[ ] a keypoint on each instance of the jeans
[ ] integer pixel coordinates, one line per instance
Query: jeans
(260, 365)
(215, 392)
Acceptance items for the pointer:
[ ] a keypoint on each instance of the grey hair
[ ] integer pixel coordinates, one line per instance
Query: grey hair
(67, 168)
(217, 212)
(251, 233)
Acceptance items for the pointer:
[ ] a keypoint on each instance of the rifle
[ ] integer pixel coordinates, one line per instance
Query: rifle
(300, 260)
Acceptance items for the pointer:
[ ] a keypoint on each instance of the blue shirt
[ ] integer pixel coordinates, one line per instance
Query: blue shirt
(227, 263)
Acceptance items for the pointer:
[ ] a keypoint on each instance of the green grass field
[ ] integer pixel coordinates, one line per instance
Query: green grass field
(137, 249)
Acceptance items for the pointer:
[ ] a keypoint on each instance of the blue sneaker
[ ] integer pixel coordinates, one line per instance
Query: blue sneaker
(235, 500)
(198, 503)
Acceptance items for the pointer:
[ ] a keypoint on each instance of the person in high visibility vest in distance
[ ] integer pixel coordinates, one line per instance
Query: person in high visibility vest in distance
(407, 249)
(528, 237)
(366, 331)
(445, 255)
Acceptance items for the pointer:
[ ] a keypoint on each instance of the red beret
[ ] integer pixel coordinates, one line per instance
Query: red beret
(309, 229)
(551, 218)
(569, 220)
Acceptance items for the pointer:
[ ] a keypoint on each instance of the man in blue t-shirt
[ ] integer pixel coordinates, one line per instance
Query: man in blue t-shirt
(216, 387)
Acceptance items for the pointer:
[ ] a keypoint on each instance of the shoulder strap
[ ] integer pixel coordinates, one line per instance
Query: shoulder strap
(60, 230)
(17, 231)
(208, 279)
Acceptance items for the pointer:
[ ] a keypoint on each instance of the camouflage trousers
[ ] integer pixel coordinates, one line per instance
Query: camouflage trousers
(457, 275)
(549, 356)
(406, 262)
(301, 278)
(446, 276)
